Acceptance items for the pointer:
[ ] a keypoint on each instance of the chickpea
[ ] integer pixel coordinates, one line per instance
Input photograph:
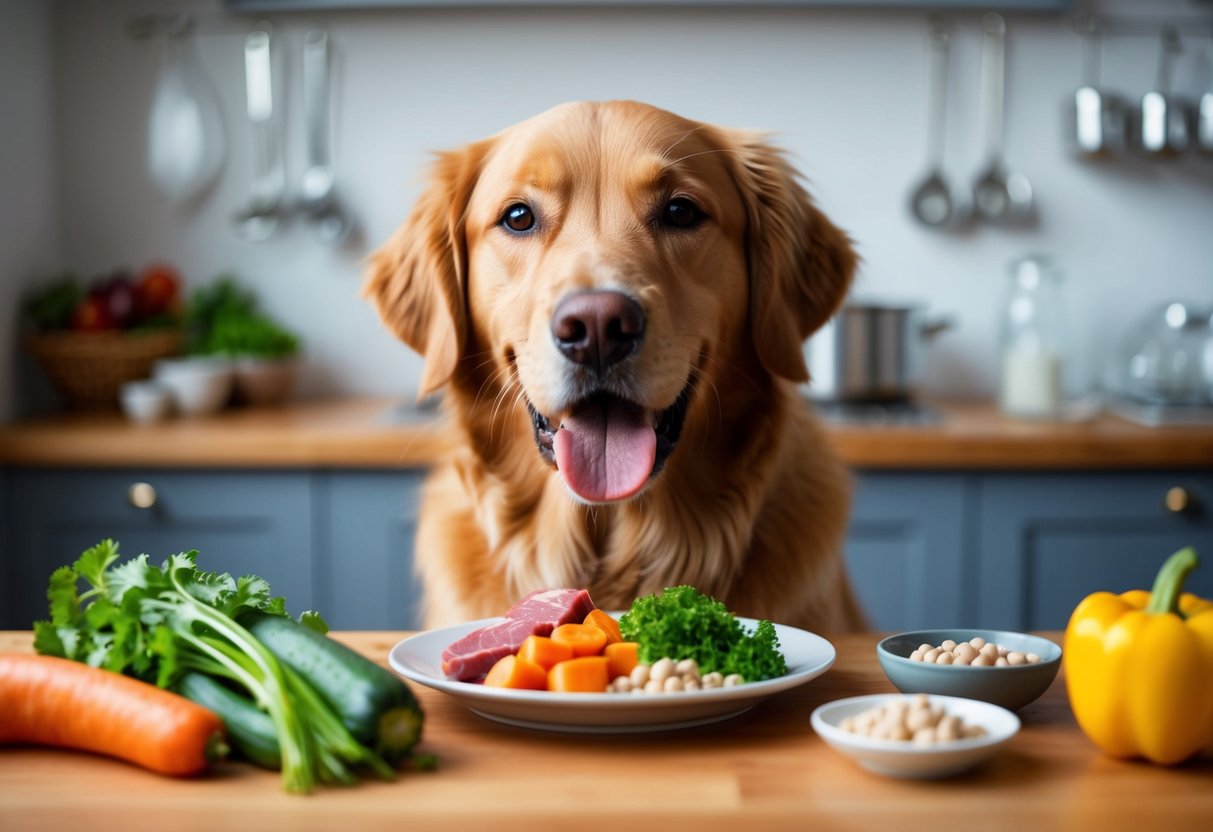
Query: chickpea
(733, 680)
(990, 651)
(924, 648)
(691, 684)
(916, 656)
(662, 669)
(713, 680)
(1001, 661)
(640, 675)
(622, 684)
(920, 700)
(981, 661)
(932, 655)
(905, 719)
(977, 642)
(687, 667)
(1032, 658)
(898, 731)
(848, 724)
(918, 718)
(944, 658)
(1016, 658)
(948, 645)
(652, 686)
(965, 653)
(925, 736)
(672, 684)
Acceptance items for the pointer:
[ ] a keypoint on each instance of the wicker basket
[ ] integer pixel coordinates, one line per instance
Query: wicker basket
(89, 368)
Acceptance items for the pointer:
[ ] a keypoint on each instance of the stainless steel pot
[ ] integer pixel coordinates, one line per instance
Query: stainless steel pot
(870, 352)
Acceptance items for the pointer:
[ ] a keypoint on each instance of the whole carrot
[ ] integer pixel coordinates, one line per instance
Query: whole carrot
(50, 701)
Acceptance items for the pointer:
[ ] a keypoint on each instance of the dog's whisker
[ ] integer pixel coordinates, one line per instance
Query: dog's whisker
(673, 162)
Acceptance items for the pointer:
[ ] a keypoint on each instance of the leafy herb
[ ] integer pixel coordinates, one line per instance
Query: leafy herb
(156, 623)
(223, 319)
(683, 623)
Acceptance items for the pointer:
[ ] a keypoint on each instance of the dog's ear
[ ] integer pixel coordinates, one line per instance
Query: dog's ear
(800, 263)
(418, 279)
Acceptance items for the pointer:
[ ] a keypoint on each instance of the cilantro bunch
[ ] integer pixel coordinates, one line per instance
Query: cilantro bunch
(683, 623)
(158, 623)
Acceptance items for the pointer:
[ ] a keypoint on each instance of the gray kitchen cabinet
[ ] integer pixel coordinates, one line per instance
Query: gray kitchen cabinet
(366, 522)
(905, 548)
(239, 521)
(1045, 542)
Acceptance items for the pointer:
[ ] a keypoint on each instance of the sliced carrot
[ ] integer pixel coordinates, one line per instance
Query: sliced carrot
(587, 674)
(516, 673)
(544, 652)
(51, 701)
(621, 657)
(585, 639)
(604, 622)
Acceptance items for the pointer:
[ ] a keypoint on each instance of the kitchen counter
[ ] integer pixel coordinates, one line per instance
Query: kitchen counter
(378, 433)
(765, 769)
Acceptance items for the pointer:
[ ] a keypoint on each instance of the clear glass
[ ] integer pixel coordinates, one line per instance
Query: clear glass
(1034, 342)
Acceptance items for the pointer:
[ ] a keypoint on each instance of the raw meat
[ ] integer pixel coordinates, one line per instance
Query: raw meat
(471, 657)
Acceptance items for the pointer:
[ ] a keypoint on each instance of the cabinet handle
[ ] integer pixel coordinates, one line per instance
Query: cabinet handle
(141, 495)
(1179, 500)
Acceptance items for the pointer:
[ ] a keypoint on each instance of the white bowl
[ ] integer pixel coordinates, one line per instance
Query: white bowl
(145, 401)
(198, 385)
(895, 758)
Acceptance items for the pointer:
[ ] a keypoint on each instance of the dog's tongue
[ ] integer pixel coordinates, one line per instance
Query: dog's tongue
(606, 450)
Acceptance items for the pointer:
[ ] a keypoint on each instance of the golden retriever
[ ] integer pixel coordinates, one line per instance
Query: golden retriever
(615, 299)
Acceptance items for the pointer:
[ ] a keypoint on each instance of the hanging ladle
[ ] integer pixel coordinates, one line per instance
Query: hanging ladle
(999, 195)
(931, 199)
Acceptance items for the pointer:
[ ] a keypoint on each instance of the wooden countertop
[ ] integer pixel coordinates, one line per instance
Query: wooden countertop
(377, 433)
(763, 770)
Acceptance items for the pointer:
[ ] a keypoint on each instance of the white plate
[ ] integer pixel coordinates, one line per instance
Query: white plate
(904, 759)
(419, 659)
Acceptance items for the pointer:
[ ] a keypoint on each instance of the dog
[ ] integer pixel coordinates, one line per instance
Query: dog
(614, 300)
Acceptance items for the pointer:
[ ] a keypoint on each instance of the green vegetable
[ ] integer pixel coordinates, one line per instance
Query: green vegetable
(373, 703)
(51, 307)
(159, 623)
(683, 623)
(223, 319)
(249, 729)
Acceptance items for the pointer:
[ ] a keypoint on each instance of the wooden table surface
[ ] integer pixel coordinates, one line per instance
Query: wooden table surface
(381, 433)
(765, 769)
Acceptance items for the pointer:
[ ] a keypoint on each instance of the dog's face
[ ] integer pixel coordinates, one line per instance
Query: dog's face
(599, 265)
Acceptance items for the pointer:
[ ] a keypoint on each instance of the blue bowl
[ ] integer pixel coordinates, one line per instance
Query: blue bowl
(1010, 687)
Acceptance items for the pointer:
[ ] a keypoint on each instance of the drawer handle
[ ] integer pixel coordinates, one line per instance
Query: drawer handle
(1179, 500)
(141, 495)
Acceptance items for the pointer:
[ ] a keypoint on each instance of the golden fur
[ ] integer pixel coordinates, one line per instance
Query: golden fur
(751, 505)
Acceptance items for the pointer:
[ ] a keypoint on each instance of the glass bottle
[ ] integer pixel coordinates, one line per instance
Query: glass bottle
(1033, 338)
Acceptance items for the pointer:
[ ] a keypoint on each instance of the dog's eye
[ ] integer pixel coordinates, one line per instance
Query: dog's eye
(519, 217)
(681, 213)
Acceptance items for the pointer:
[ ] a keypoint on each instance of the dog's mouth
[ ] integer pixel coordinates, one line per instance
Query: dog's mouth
(607, 447)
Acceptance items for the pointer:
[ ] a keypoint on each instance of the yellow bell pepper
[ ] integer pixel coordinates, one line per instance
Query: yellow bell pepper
(1139, 668)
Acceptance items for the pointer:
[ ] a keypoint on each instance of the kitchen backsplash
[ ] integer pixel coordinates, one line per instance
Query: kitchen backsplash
(845, 91)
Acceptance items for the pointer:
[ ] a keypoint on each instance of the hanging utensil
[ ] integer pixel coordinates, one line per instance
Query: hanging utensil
(1163, 120)
(999, 195)
(1204, 128)
(258, 220)
(328, 220)
(1098, 118)
(186, 145)
(931, 199)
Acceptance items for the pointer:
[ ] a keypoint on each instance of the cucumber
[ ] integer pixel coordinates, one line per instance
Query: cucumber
(249, 729)
(374, 704)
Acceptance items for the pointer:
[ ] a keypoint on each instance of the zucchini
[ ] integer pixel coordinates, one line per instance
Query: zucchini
(374, 704)
(249, 729)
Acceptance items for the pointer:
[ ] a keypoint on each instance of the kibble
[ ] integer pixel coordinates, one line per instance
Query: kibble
(667, 675)
(976, 652)
(910, 719)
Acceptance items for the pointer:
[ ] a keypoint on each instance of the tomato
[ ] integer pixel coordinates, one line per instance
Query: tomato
(157, 289)
(92, 315)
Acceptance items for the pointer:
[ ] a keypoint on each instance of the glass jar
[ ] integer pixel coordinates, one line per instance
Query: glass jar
(1033, 338)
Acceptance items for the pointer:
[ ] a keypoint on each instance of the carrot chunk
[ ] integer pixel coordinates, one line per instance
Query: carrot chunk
(621, 657)
(604, 622)
(587, 674)
(544, 652)
(517, 674)
(585, 639)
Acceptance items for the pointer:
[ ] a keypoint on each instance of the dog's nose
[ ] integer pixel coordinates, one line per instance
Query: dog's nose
(598, 328)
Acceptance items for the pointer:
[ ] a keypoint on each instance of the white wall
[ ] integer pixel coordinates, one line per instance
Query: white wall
(844, 90)
(29, 222)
